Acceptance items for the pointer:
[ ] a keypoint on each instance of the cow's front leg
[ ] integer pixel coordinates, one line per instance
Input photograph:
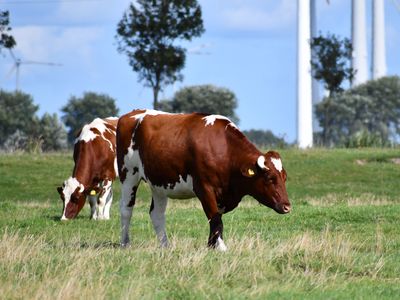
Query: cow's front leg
(216, 229)
(157, 214)
(209, 202)
(93, 207)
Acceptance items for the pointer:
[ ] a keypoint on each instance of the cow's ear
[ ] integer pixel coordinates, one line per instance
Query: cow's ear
(94, 191)
(248, 172)
(59, 190)
(284, 175)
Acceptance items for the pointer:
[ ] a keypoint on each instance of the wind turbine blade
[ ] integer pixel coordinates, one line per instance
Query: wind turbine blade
(31, 62)
(13, 56)
(8, 75)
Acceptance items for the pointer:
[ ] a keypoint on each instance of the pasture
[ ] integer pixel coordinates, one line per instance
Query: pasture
(341, 241)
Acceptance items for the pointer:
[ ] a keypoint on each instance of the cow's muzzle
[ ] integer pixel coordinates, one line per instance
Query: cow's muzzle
(283, 209)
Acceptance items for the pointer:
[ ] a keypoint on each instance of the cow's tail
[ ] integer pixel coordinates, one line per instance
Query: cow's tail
(126, 127)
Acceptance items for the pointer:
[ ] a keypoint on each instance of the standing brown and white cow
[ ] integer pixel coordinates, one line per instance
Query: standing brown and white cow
(94, 172)
(187, 155)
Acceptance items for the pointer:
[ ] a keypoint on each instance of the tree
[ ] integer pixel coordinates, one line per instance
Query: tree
(146, 35)
(21, 129)
(264, 138)
(80, 111)
(17, 113)
(52, 133)
(6, 40)
(204, 99)
(367, 115)
(331, 61)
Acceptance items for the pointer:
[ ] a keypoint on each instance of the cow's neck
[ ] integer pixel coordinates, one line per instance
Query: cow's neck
(83, 174)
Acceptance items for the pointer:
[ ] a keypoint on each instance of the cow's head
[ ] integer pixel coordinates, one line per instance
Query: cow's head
(73, 195)
(267, 182)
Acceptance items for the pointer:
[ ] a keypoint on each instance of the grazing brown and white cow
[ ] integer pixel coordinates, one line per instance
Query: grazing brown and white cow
(94, 172)
(187, 155)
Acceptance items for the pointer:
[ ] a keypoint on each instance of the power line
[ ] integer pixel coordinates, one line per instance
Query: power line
(45, 1)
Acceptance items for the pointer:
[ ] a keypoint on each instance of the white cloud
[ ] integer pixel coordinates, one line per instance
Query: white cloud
(259, 15)
(91, 11)
(55, 43)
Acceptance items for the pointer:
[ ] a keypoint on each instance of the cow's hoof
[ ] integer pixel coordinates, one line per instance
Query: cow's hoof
(125, 245)
(220, 245)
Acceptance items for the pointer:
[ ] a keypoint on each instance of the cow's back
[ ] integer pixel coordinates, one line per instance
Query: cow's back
(172, 147)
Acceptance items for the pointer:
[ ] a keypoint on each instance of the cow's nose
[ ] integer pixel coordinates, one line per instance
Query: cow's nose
(286, 208)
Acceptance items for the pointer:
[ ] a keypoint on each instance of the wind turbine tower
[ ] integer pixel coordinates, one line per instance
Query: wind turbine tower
(359, 39)
(304, 92)
(315, 85)
(378, 39)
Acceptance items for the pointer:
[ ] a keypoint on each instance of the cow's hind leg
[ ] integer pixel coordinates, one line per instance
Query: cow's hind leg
(128, 198)
(157, 214)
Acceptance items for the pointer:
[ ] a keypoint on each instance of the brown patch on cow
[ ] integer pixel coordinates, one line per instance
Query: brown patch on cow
(95, 131)
(133, 197)
(122, 174)
(151, 206)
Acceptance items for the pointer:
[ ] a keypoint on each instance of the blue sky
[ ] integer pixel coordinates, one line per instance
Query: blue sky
(249, 47)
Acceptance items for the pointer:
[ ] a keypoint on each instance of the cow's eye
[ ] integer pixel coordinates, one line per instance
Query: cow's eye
(74, 199)
(271, 179)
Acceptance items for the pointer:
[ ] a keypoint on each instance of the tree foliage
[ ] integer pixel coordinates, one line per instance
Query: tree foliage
(17, 112)
(367, 115)
(52, 133)
(204, 99)
(331, 61)
(6, 40)
(22, 129)
(82, 110)
(146, 34)
(264, 138)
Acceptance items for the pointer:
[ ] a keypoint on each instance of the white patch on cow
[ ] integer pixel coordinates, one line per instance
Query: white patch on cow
(149, 112)
(132, 179)
(210, 120)
(157, 215)
(88, 135)
(220, 245)
(70, 185)
(277, 163)
(179, 190)
(116, 167)
(104, 201)
(261, 161)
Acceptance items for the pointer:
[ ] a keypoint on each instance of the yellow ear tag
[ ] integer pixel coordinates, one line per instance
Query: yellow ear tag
(93, 192)
(250, 172)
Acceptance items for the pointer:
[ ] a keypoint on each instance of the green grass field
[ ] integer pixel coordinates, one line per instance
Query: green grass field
(341, 241)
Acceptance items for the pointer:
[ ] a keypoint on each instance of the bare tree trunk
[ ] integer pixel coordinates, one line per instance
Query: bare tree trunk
(156, 90)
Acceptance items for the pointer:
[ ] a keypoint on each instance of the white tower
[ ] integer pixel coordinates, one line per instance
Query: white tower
(378, 40)
(304, 97)
(359, 39)
(315, 85)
